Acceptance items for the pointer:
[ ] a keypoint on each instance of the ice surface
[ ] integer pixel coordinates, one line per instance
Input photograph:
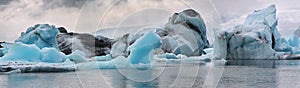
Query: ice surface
(290, 44)
(102, 58)
(87, 43)
(168, 56)
(25, 67)
(42, 35)
(141, 50)
(253, 40)
(121, 61)
(52, 55)
(31, 53)
(119, 48)
(185, 33)
(77, 56)
(297, 31)
(1, 52)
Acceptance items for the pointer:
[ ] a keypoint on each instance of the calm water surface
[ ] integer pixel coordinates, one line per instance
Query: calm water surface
(236, 74)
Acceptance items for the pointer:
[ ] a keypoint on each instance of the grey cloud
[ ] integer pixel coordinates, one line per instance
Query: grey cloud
(52, 4)
(6, 2)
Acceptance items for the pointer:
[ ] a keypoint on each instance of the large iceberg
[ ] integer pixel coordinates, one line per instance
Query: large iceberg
(42, 35)
(185, 33)
(253, 40)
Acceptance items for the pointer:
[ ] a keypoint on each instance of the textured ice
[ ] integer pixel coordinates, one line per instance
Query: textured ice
(185, 33)
(290, 44)
(52, 55)
(168, 56)
(141, 50)
(77, 56)
(119, 48)
(42, 35)
(253, 40)
(87, 43)
(102, 58)
(31, 53)
(1, 52)
(25, 67)
(297, 31)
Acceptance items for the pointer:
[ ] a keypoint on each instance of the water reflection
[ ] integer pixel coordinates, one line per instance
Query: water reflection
(257, 63)
(243, 73)
(264, 63)
(174, 75)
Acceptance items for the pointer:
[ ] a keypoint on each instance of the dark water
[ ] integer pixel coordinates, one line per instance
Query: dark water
(236, 74)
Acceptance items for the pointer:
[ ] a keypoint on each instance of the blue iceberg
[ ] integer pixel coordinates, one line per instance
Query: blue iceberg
(31, 53)
(42, 35)
(141, 50)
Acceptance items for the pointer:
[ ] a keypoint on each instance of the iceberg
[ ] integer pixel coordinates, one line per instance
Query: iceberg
(31, 53)
(185, 33)
(87, 43)
(42, 35)
(253, 40)
(141, 50)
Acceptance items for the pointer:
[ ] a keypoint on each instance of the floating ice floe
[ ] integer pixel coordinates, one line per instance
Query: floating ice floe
(26, 67)
(170, 57)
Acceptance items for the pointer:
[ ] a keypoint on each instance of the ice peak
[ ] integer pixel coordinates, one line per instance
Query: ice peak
(263, 16)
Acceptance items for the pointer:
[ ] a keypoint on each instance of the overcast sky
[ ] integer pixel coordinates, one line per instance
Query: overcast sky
(91, 15)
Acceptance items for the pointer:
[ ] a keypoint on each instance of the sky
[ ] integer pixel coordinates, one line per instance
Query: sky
(87, 16)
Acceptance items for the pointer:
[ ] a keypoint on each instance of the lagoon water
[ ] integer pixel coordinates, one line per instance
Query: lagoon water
(236, 74)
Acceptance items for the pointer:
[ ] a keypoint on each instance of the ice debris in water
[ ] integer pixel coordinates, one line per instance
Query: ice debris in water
(102, 58)
(25, 67)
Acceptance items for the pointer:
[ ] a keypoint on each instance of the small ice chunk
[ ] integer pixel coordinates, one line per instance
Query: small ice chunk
(52, 55)
(102, 58)
(77, 56)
